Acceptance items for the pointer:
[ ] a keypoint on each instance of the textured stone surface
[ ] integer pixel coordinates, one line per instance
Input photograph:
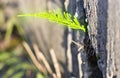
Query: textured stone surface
(113, 39)
(105, 33)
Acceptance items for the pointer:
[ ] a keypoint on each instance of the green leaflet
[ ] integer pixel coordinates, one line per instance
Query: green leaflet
(65, 19)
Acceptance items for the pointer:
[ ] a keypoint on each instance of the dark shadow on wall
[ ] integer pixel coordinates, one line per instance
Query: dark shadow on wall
(102, 16)
(95, 67)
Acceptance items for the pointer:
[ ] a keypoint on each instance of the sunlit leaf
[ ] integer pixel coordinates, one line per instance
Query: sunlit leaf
(18, 75)
(1, 65)
(4, 56)
(65, 19)
(39, 75)
(12, 60)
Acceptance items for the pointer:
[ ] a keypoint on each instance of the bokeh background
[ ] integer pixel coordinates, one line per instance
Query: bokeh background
(15, 60)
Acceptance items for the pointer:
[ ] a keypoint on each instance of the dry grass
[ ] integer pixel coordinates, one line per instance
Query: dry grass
(55, 62)
(40, 58)
(32, 56)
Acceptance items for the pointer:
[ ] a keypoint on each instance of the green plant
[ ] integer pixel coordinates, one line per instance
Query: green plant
(65, 19)
(12, 22)
(14, 64)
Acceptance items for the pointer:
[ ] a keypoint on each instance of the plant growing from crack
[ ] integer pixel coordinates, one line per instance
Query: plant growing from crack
(64, 18)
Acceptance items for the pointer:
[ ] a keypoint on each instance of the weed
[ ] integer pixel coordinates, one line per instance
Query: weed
(64, 18)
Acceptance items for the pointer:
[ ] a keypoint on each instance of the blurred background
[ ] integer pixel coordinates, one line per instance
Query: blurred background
(27, 43)
(31, 47)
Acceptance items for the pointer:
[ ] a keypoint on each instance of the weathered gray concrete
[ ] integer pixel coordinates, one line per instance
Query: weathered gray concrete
(103, 17)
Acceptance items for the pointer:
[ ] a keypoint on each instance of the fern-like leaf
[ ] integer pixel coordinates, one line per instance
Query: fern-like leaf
(64, 19)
